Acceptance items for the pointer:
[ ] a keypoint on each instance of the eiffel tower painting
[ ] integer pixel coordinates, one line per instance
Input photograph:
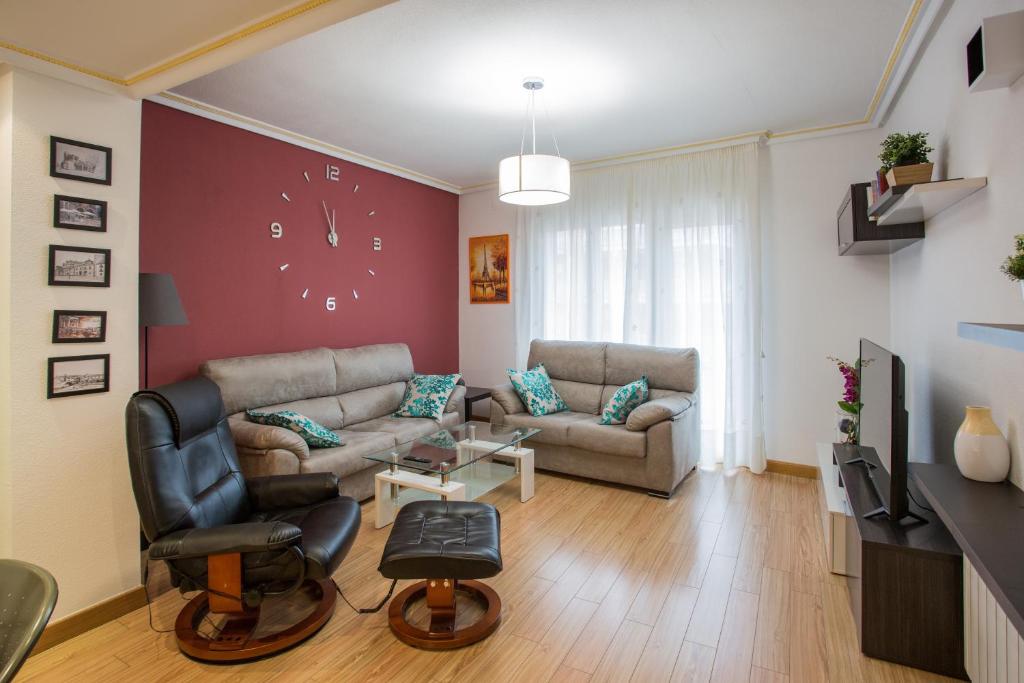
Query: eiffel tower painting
(489, 270)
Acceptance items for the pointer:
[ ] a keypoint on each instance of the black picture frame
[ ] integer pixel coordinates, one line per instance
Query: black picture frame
(57, 172)
(58, 339)
(58, 222)
(91, 387)
(52, 270)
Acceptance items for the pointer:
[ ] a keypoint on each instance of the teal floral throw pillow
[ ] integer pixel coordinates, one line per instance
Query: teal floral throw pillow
(535, 391)
(623, 401)
(427, 395)
(313, 433)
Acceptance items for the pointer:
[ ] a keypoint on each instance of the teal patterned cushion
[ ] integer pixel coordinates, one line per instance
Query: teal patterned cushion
(427, 395)
(623, 401)
(313, 433)
(535, 391)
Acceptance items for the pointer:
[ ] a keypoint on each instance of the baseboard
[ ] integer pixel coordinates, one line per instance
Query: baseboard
(792, 468)
(90, 617)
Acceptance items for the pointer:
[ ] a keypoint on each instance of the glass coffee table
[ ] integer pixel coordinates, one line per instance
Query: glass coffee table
(457, 463)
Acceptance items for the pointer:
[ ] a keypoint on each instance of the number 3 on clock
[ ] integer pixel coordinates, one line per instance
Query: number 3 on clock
(332, 172)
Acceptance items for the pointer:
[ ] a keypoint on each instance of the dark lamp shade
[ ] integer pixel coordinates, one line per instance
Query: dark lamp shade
(159, 304)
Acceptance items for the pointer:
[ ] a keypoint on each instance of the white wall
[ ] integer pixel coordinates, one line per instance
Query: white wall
(816, 303)
(69, 492)
(486, 331)
(6, 120)
(953, 274)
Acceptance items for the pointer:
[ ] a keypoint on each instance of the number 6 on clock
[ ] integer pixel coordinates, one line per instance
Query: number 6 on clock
(276, 231)
(331, 303)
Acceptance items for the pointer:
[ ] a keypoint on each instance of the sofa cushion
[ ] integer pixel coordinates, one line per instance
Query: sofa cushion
(254, 381)
(403, 428)
(554, 427)
(536, 391)
(325, 410)
(348, 459)
(579, 396)
(427, 396)
(590, 435)
(666, 368)
(623, 401)
(366, 404)
(575, 361)
(371, 366)
(313, 433)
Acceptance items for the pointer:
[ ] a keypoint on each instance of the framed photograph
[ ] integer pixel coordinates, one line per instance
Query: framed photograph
(80, 161)
(76, 327)
(79, 213)
(76, 375)
(489, 277)
(79, 266)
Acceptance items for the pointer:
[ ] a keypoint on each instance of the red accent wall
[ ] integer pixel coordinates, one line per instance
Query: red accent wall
(209, 192)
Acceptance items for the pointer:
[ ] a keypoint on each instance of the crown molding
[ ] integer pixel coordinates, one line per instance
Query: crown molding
(213, 113)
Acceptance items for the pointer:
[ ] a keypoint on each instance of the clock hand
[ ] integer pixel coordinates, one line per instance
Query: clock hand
(332, 235)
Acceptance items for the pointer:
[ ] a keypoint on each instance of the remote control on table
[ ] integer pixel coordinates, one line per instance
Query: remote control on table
(414, 458)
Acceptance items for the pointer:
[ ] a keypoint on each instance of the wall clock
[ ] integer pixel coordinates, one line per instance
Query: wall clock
(328, 192)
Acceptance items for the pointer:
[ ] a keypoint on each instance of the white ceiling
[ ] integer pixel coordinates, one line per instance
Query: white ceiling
(434, 85)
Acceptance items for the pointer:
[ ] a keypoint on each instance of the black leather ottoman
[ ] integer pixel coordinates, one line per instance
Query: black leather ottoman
(450, 544)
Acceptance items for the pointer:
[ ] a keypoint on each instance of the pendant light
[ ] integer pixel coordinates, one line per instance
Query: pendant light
(533, 179)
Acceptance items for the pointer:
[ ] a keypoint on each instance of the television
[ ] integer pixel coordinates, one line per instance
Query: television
(884, 424)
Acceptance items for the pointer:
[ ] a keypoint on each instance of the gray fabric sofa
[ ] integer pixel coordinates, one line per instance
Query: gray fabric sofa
(352, 392)
(660, 442)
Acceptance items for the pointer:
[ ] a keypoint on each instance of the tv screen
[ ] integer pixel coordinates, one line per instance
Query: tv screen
(883, 426)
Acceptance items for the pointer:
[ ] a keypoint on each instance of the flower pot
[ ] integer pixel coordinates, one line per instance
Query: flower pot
(980, 449)
(909, 175)
(846, 427)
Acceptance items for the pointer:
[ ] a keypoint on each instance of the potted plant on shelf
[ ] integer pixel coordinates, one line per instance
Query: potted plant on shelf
(1013, 266)
(905, 158)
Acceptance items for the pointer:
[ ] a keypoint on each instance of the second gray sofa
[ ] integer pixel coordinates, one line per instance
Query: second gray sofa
(352, 392)
(660, 442)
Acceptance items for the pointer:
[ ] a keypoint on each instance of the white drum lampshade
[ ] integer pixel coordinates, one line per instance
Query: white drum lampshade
(533, 179)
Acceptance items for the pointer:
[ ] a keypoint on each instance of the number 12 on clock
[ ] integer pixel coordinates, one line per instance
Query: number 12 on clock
(332, 172)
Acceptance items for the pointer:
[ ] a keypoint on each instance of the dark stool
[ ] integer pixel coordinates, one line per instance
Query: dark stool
(448, 543)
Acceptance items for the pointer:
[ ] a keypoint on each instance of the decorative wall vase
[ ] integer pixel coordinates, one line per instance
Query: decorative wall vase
(980, 448)
(846, 427)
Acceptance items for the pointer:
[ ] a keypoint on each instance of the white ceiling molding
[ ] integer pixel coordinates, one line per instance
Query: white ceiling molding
(238, 121)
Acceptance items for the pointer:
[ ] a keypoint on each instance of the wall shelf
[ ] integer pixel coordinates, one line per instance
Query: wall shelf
(1009, 336)
(921, 202)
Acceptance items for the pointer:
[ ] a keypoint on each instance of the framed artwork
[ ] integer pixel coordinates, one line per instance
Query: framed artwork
(83, 161)
(79, 213)
(77, 375)
(79, 266)
(489, 275)
(76, 327)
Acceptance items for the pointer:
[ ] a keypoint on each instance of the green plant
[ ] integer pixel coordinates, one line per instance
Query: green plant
(1013, 266)
(904, 149)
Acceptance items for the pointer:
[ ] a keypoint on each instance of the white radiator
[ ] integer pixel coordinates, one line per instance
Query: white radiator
(993, 650)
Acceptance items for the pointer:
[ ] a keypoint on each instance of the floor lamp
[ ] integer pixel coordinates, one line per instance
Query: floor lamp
(159, 306)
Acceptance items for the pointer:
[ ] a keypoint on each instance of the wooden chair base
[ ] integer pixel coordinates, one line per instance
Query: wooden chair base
(440, 594)
(236, 641)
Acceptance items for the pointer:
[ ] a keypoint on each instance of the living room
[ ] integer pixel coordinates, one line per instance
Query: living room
(534, 340)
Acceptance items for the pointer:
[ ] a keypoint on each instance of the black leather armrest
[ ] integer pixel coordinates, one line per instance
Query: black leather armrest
(291, 490)
(250, 537)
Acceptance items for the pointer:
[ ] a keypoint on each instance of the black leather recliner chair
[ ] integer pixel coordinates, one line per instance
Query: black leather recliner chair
(238, 541)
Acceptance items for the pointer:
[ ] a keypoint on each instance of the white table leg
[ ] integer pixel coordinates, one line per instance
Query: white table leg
(383, 496)
(524, 460)
(387, 505)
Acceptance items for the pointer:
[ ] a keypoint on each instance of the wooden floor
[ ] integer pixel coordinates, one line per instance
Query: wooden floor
(725, 582)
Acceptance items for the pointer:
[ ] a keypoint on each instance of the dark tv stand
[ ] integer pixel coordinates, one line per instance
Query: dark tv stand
(905, 580)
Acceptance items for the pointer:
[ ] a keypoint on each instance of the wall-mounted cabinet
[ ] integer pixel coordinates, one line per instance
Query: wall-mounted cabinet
(861, 236)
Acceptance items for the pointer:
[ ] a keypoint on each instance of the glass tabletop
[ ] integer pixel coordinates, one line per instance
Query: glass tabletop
(451, 449)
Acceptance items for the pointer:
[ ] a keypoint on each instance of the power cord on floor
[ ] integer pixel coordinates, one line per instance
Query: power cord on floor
(368, 610)
(923, 507)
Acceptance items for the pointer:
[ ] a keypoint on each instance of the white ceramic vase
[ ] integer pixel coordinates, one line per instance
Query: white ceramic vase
(980, 448)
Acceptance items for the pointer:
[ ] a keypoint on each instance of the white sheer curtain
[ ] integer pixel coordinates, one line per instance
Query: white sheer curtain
(664, 252)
